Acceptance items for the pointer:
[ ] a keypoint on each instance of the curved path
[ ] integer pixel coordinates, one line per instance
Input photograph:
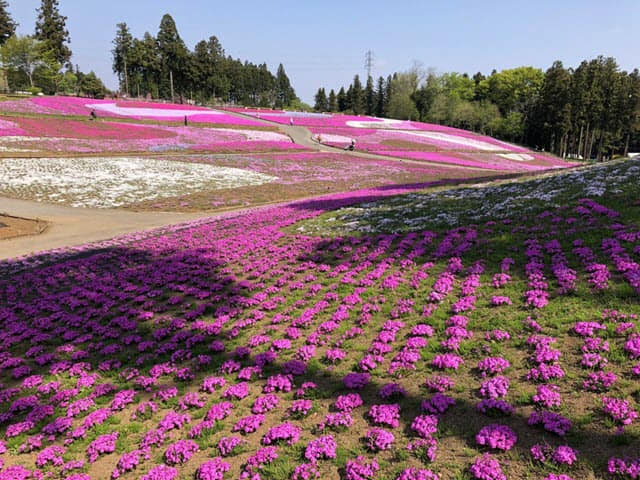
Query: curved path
(69, 226)
(303, 136)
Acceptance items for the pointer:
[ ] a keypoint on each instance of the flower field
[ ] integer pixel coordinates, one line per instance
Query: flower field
(203, 182)
(414, 141)
(301, 175)
(123, 109)
(46, 135)
(115, 181)
(480, 341)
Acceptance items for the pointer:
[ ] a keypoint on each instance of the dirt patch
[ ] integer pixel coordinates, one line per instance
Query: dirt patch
(11, 227)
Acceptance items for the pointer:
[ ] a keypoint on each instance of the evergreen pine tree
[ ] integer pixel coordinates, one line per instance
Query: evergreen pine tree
(380, 98)
(285, 93)
(7, 25)
(357, 96)
(387, 95)
(51, 30)
(349, 98)
(369, 98)
(122, 45)
(322, 104)
(333, 101)
(342, 100)
(173, 58)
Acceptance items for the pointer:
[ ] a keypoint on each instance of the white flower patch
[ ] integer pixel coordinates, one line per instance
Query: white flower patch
(114, 182)
(517, 157)
(481, 202)
(379, 123)
(256, 135)
(149, 112)
(331, 138)
(458, 140)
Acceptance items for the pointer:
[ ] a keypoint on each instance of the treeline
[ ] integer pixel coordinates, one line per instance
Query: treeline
(35, 62)
(163, 67)
(590, 111)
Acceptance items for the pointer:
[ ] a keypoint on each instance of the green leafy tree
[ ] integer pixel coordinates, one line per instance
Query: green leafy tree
(22, 54)
(458, 85)
(513, 89)
(47, 75)
(401, 105)
(92, 86)
(68, 84)
(51, 30)
(424, 97)
(7, 25)
(145, 66)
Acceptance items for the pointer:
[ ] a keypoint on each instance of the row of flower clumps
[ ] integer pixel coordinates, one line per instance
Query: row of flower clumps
(189, 330)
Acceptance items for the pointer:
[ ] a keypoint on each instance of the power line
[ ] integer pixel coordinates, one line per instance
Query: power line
(368, 62)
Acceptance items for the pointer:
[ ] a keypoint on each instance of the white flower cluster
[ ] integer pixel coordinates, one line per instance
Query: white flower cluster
(114, 182)
(481, 202)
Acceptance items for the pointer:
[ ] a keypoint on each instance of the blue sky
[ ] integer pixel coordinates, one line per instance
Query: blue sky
(323, 43)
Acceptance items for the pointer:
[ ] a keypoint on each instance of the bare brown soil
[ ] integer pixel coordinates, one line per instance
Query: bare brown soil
(11, 227)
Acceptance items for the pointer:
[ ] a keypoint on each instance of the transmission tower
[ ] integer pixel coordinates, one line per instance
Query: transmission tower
(368, 62)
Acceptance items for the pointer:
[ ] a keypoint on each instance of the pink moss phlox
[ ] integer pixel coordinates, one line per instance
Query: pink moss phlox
(496, 436)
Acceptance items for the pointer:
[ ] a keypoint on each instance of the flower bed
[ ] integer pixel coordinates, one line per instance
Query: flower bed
(47, 134)
(204, 318)
(113, 182)
(123, 108)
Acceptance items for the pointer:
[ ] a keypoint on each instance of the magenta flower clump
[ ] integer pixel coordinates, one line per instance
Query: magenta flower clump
(499, 437)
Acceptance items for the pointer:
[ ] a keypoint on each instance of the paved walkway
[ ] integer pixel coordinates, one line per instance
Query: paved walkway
(303, 136)
(68, 226)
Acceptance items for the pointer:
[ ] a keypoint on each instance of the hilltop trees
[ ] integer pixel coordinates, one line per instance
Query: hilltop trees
(174, 59)
(590, 111)
(34, 62)
(22, 54)
(369, 97)
(163, 67)
(356, 96)
(7, 25)
(400, 104)
(593, 110)
(51, 30)
(333, 101)
(285, 94)
(321, 101)
(91, 86)
(122, 45)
